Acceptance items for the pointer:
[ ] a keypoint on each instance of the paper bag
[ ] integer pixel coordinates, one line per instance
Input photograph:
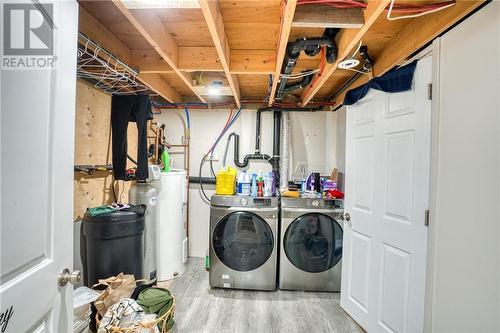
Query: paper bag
(118, 287)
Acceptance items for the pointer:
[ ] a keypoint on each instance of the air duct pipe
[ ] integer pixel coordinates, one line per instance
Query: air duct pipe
(285, 150)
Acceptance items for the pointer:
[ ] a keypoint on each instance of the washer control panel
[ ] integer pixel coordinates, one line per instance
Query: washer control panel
(262, 202)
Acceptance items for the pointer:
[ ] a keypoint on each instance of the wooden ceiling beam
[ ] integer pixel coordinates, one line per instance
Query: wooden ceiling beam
(149, 62)
(285, 27)
(324, 16)
(92, 28)
(159, 85)
(415, 35)
(205, 59)
(213, 17)
(152, 29)
(420, 32)
(347, 40)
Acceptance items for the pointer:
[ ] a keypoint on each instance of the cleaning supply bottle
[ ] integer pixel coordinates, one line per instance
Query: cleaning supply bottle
(268, 184)
(273, 191)
(244, 184)
(260, 190)
(165, 158)
(254, 185)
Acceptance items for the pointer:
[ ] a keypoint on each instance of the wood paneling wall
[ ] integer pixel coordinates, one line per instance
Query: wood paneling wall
(93, 146)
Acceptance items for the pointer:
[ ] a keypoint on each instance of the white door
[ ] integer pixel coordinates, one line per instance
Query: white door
(36, 139)
(387, 192)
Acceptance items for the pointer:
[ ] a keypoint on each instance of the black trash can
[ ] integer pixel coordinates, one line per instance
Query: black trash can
(112, 243)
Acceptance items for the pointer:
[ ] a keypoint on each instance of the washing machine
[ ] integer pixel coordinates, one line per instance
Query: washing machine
(243, 242)
(311, 244)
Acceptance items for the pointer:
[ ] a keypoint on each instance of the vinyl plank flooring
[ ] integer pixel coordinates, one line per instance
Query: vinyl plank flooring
(200, 309)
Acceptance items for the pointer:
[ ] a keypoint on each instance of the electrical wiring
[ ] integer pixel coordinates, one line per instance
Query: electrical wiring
(199, 176)
(299, 75)
(357, 71)
(419, 9)
(437, 8)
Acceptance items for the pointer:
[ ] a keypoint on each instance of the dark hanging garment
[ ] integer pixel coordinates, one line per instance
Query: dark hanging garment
(135, 108)
(396, 80)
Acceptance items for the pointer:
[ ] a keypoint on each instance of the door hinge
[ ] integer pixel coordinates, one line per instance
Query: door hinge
(426, 219)
(429, 91)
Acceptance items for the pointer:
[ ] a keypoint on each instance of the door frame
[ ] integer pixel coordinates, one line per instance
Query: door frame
(431, 233)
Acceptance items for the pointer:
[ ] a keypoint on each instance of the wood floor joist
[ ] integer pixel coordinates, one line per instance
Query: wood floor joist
(206, 59)
(415, 35)
(286, 26)
(347, 40)
(153, 30)
(213, 17)
(92, 28)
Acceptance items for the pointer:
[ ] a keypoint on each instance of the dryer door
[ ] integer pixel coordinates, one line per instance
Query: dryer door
(243, 241)
(313, 242)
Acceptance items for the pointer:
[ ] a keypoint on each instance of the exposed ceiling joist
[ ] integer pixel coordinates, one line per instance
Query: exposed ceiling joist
(158, 84)
(415, 35)
(347, 40)
(206, 59)
(149, 62)
(152, 29)
(213, 17)
(419, 32)
(93, 29)
(324, 16)
(286, 26)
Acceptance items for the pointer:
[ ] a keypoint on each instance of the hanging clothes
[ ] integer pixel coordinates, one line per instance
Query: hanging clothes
(396, 80)
(125, 109)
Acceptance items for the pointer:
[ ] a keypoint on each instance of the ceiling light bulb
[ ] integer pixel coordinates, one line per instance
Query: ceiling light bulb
(213, 90)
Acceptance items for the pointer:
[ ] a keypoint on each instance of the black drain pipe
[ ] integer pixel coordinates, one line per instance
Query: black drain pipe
(311, 47)
(275, 159)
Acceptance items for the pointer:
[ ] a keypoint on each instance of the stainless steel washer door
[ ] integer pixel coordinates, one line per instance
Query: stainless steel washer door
(242, 241)
(313, 242)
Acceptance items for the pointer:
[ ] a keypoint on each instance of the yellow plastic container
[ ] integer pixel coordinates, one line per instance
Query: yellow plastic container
(225, 183)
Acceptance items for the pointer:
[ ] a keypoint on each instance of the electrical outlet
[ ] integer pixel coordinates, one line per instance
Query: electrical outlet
(213, 157)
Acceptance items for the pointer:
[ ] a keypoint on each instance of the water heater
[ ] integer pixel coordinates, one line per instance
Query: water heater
(171, 224)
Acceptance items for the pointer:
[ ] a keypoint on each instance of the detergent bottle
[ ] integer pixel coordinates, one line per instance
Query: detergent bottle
(244, 184)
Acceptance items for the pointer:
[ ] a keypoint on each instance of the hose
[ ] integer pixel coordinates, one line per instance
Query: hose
(200, 178)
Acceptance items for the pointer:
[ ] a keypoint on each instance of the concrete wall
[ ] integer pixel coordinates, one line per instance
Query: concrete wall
(313, 143)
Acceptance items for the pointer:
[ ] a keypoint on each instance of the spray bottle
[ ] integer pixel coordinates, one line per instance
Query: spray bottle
(254, 185)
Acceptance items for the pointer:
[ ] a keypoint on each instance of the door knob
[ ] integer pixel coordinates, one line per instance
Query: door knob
(347, 218)
(68, 276)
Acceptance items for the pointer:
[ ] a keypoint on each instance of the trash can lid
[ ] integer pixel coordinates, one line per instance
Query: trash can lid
(122, 223)
(112, 217)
